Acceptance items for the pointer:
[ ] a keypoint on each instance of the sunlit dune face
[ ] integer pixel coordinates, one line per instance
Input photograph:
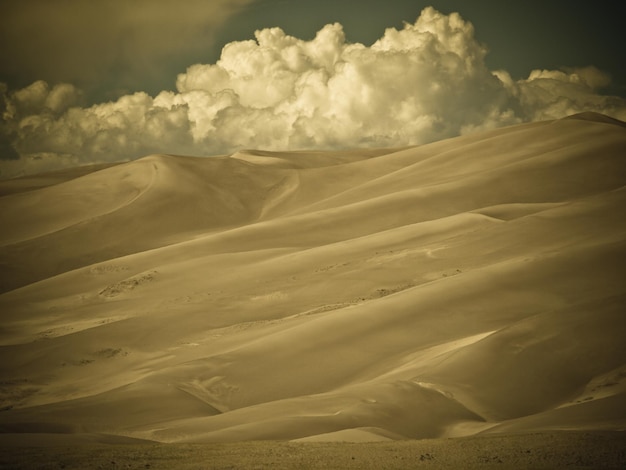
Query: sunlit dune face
(468, 285)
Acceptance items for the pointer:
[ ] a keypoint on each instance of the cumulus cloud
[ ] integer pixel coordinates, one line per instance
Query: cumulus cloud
(551, 94)
(424, 82)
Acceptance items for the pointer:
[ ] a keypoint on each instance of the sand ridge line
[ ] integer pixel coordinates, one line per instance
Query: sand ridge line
(138, 193)
(311, 324)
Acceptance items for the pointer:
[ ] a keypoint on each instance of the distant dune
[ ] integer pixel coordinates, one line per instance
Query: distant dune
(469, 286)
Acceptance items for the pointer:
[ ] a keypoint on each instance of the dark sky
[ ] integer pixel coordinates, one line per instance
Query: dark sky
(112, 47)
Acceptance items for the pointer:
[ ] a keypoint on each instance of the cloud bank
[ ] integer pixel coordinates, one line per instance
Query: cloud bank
(425, 82)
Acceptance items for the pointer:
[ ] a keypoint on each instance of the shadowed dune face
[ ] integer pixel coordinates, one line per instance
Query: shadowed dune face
(465, 286)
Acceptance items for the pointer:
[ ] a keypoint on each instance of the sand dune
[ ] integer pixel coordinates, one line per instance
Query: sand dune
(473, 285)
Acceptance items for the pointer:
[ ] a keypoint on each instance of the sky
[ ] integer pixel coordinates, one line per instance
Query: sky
(109, 80)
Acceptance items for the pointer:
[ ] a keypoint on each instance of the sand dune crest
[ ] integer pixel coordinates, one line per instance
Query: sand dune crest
(464, 286)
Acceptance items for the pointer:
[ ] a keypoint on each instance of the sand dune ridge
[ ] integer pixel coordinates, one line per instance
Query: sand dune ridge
(465, 286)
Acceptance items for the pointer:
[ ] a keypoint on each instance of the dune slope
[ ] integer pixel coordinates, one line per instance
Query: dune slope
(473, 285)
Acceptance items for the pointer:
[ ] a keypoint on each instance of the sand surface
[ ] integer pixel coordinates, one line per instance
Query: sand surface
(473, 286)
(547, 450)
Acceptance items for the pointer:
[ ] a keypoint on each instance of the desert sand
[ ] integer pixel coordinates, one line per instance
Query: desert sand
(463, 291)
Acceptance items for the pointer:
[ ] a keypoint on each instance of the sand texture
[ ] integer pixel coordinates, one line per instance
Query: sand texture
(469, 287)
(546, 450)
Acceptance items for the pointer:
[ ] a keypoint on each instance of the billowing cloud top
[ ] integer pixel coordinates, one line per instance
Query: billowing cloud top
(425, 82)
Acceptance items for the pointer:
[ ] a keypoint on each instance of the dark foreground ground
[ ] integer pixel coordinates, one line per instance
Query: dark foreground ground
(540, 450)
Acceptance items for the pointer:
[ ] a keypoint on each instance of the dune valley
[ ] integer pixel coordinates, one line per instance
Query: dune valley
(463, 290)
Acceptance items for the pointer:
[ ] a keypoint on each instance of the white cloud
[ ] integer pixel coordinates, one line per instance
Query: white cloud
(425, 82)
(40, 98)
(550, 94)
